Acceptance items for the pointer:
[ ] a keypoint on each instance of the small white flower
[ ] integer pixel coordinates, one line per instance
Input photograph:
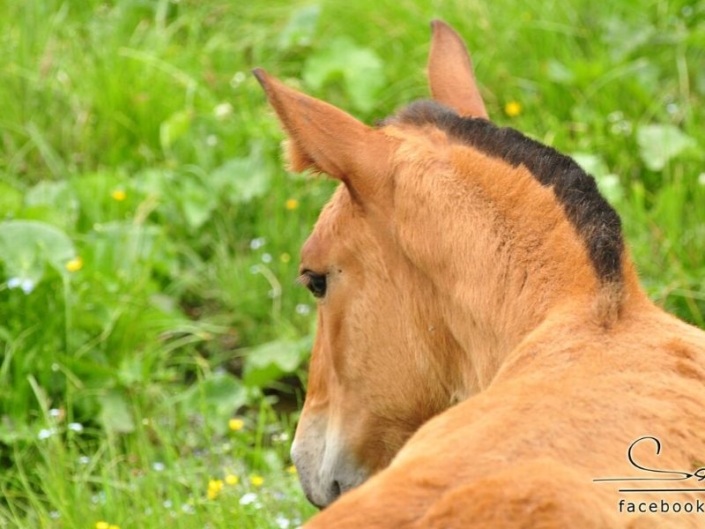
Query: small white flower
(27, 285)
(223, 110)
(188, 508)
(75, 427)
(158, 466)
(46, 433)
(84, 460)
(256, 244)
(302, 309)
(211, 140)
(167, 504)
(283, 523)
(54, 412)
(248, 498)
(23, 283)
(237, 79)
(266, 258)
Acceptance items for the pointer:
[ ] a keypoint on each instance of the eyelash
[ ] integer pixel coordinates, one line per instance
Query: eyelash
(316, 283)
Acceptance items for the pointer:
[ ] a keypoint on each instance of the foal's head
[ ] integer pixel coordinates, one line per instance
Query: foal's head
(414, 260)
(374, 374)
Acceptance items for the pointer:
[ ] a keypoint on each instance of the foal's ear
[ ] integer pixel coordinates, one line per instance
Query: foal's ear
(324, 138)
(450, 73)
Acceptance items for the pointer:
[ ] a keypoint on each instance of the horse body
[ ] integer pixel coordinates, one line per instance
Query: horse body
(525, 451)
(484, 350)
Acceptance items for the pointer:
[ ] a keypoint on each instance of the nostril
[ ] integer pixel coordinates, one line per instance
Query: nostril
(335, 490)
(333, 494)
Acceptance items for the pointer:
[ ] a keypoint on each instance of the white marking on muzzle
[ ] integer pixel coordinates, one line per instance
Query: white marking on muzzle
(325, 466)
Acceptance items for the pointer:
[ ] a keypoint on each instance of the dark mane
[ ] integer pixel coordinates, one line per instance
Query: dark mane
(594, 219)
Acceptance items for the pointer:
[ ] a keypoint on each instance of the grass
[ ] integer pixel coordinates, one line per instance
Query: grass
(149, 235)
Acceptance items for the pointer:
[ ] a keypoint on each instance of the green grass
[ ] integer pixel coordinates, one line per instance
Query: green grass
(135, 145)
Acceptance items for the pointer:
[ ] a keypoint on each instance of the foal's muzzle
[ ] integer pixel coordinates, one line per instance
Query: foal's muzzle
(326, 470)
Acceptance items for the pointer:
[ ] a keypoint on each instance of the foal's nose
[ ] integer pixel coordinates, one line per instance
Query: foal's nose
(329, 495)
(320, 490)
(325, 472)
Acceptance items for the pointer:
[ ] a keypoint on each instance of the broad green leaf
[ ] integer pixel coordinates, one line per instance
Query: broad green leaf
(176, 126)
(361, 69)
(222, 390)
(217, 397)
(115, 413)
(57, 199)
(131, 371)
(300, 28)
(52, 193)
(658, 144)
(242, 179)
(197, 203)
(154, 181)
(268, 362)
(26, 247)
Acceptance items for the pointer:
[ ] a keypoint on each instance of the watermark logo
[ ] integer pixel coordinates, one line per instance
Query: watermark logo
(659, 481)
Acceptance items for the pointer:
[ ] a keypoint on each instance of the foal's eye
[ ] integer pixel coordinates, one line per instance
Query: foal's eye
(316, 283)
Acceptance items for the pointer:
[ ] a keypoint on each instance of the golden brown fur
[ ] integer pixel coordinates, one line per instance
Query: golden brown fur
(455, 276)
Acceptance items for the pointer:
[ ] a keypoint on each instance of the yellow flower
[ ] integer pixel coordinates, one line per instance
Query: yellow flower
(113, 526)
(291, 470)
(119, 195)
(214, 488)
(236, 424)
(285, 258)
(291, 204)
(512, 109)
(231, 479)
(257, 481)
(74, 265)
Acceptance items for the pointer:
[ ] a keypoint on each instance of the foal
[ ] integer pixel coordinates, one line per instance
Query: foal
(485, 356)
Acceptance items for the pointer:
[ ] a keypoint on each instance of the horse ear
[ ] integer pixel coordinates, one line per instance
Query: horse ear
(324, 138)
(450, 73)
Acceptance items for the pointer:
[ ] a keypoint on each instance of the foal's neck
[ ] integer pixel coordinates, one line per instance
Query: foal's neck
(491, 329)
